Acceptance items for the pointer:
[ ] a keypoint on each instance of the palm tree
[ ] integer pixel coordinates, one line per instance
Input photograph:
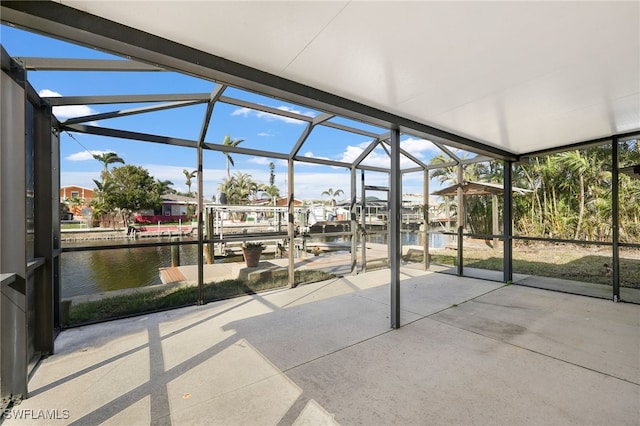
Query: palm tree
(272, 174)
(333, 194)
(189, 175)
(98, 203)
(75, 203)
(227, 141)
(164, 187)
(272, 191)
(106, 159)
(577, 165)
(246, 187)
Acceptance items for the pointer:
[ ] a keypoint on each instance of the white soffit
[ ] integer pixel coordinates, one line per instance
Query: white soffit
(522, 76)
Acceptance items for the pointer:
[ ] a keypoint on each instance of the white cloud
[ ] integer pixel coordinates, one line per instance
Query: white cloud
(418, 147)
(351, 153)
(248, 112)
(46, 93)
(310, 154)
(264, 161)
(85, 155)
(67, 111)
(266, 134)
(379, 158)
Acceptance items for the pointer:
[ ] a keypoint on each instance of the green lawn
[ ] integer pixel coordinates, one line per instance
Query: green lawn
(557, 262)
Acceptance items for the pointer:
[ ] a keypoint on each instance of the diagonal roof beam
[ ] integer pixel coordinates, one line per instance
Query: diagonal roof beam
(408, 155)
(124, 134)
(125, 99)
(301, 139)
(66, 64)
(384, 146)
(307, 131)
(146, 137)
(322, 118)
(447, 151)
(131, 111)
(215, 95)
(366, 152)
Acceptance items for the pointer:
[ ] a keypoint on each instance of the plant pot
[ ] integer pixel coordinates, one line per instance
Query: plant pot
(252, 256)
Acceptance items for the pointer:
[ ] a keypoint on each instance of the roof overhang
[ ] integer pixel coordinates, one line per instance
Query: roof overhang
(498, 78)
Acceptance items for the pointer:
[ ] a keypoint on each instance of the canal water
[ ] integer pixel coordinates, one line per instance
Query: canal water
(96, 271)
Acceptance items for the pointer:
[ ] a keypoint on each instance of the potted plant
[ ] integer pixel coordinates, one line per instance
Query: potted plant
(251, 250)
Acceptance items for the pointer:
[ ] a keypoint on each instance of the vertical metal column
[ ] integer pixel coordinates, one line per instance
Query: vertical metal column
(461, 220)
(200, 300)
(615, 214)
(13, 233)
(363, 219)
(47, 212)
(215, 95)
(291, 227)
(395, 198)
(508, 223)
(56, 245)
(495, 228)
(354, 224)
(425, 213)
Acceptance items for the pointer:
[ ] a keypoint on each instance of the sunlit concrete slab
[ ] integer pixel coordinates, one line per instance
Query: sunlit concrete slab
(558, 325)
(470, 352)
(578, 287)
(433, 373)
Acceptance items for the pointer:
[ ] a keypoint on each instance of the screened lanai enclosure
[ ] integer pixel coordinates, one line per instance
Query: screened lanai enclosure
(180, 150)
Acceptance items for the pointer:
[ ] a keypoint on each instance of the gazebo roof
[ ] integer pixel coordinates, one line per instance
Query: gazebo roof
(477, 188)
(633, 171)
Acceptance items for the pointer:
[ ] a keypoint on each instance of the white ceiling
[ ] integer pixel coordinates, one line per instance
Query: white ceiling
(521, 76)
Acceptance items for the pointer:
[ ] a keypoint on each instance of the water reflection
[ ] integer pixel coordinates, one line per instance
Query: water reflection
(89, 272)
(97, 271)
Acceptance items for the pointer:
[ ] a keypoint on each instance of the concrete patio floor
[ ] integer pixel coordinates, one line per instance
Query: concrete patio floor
(469, 352)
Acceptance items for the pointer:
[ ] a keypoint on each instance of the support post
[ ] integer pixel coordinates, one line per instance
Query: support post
(354, 224)
(494, 217)
(215, 95)
(425, 213)
(395, 197)
(47, 188)
(507, 217)
(175, 253)
(461, 219)
(615, 214)
(200, 300)
(291, 227)
(363, 220)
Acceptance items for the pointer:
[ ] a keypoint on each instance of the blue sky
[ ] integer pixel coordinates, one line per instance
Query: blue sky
(259, 130)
